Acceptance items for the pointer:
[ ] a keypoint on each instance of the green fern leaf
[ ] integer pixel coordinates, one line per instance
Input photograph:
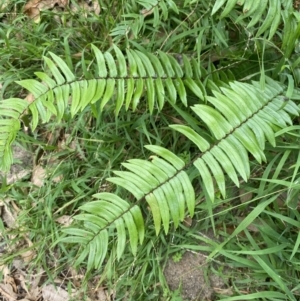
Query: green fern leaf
(167, 155)
(102, 71)
(68, 74)
(123, 78)
(243, 118)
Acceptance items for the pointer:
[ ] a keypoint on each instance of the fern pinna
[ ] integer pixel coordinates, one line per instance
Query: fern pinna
(239, 117)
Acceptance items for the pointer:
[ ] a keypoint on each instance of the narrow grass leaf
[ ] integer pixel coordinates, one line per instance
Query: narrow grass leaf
(296, 247)
(266, 251)
(274, 275)
(269, 295)
(245, 223)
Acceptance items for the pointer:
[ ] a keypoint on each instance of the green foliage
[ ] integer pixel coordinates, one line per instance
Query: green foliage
(161, 77)
(228, 71)
(249, 118)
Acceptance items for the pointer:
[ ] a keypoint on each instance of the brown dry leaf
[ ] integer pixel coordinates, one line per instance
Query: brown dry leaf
(75, 277)
(34, 294)
(52, 166)
(58, 179)
(7, 214)
(16, 177)
(15, 207)
(33, 7)
(96, 7)
(30, 98)
(34, 283)
(52, 293)
(65, 220)
(7, 292)
(21, 280)
(62, 3)
(102, 295)
(29, 254)
(38, 176)
(78, 54)
(11, 281)
(65, 144)
(188, 221)
(18, 264)
(34, 14)
(146, 12)
(224, 291)
(30, 284)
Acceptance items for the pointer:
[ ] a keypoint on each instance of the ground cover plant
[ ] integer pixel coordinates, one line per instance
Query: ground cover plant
(153, 130)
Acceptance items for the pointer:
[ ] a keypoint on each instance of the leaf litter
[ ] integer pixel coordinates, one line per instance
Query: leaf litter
(21, 279)
(33, 8)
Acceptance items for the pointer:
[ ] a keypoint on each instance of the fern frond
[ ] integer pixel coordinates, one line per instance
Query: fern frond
(11, 111)
(243, 118)
(125, 79)
(153, 180)
(101, 214)
(272, 12)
